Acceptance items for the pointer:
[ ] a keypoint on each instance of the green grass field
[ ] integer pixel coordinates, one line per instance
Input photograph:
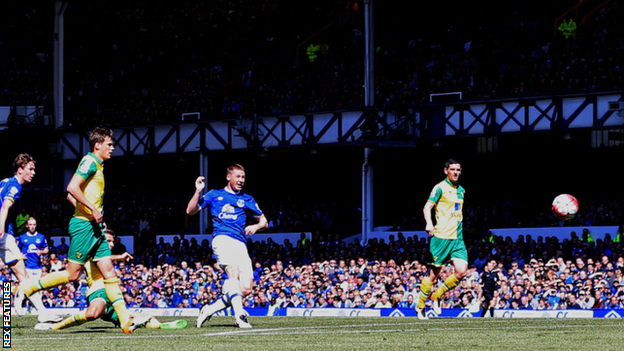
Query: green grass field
(341, 333)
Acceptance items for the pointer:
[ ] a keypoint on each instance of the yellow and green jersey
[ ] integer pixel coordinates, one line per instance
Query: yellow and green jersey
(449, 201)
(92, 171)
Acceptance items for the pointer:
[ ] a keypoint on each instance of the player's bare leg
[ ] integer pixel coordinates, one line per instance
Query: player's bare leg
(19, 269)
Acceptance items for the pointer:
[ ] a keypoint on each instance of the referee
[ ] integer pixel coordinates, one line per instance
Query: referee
(489, 281)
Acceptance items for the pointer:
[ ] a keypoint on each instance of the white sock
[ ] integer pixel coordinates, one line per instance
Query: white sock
(231, 289)
(216, 307)
(237, 305)
(35, 299)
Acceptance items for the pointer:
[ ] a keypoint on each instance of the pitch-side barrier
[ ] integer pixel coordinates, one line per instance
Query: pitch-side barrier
(372, 312)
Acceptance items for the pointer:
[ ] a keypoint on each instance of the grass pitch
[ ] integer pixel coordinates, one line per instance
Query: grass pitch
(341, 333)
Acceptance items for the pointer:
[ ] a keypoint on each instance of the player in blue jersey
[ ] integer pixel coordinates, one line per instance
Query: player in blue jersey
(229, 208)
(11, 255)
(33, 244)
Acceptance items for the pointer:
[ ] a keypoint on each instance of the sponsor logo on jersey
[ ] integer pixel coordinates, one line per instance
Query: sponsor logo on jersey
(228, 212)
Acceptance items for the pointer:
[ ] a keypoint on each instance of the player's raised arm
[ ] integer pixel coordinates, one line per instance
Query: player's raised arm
(192, 207)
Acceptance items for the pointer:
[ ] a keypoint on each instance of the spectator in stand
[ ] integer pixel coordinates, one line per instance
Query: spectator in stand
(62, 248)
(409, 303)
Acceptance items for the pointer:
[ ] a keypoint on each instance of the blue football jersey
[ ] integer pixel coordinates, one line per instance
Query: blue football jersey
(229, 212)
(29, 244)
(10, 188)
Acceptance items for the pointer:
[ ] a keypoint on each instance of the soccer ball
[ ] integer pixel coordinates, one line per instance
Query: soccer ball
(565, 206)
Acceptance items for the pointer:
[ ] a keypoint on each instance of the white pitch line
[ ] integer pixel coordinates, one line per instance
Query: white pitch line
(240, 331)
(371, 328)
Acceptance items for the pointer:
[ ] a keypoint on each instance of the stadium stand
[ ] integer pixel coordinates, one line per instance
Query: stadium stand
(134, 63)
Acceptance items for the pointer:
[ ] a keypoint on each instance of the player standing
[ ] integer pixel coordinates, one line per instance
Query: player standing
(447, 241)
(87, 241)
(229, 208)
(10, 189)
(33, 244)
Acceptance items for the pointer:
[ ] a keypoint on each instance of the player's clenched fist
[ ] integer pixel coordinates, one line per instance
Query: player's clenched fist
(199, 183)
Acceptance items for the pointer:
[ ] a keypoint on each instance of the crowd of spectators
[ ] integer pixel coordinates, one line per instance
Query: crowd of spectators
(536, 273)
(149, 62)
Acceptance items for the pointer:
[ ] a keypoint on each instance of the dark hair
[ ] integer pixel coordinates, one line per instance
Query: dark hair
(98, 135)
(451, 161)
(21, 161)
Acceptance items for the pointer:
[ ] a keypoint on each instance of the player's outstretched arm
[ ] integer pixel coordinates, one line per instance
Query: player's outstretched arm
(123, 257)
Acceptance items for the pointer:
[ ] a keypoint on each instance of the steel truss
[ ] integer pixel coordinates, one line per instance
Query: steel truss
(368, 127)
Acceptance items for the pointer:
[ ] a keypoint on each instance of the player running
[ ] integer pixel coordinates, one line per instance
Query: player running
(11, 255)
(101, 307)
(447, 240)
(87, 242)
